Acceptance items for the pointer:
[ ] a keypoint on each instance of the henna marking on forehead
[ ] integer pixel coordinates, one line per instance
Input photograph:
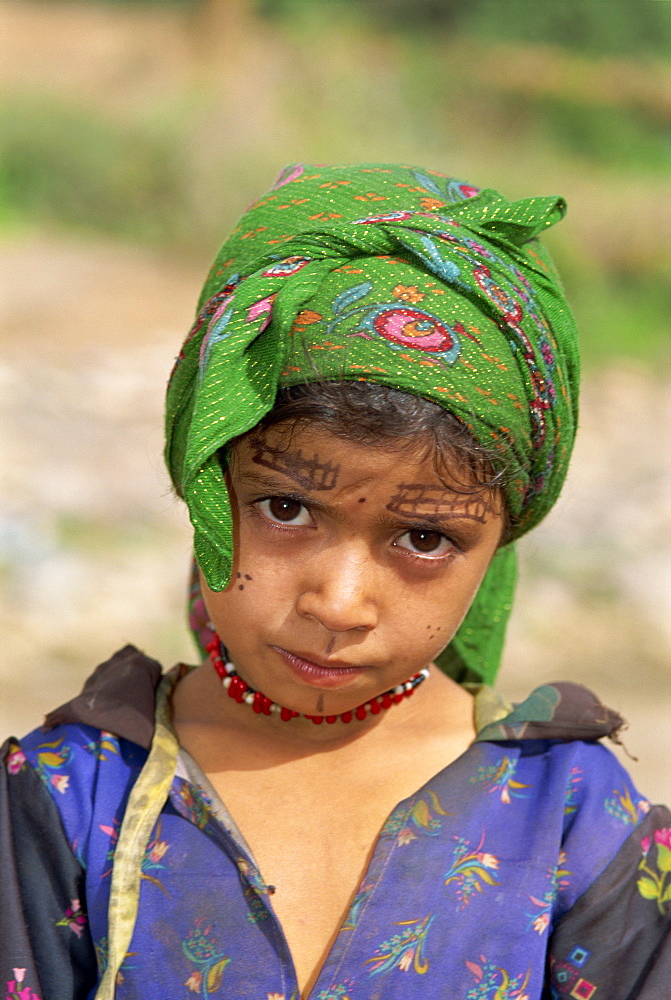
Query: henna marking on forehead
(435, 502)
(307, 472)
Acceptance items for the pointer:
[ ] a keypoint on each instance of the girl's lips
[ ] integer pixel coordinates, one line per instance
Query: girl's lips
(317, 673)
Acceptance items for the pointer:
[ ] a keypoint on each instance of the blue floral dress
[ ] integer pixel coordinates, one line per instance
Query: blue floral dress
(529, 868)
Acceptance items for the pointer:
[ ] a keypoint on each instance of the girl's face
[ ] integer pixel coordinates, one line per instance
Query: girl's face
(354, 566)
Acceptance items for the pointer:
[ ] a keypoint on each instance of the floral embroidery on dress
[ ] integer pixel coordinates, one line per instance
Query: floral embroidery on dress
(51, 757)
(405, 950)
(113, 834)
(107, 742)
(339, 991)
(396, 820)
(74, 918)
(559, 879)
(354, 912)
(470, 870)
(422, 817)
(152, 859)
(257, 911)
(253, 877)
(194, 804)
(204, 952)
(495, 982)
(571, 800)
(499, 777)
(17, 992)
(622, 807)
(15, 759)
(656, 884)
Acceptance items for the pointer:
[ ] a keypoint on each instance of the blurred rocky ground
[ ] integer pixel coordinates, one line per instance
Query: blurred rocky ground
(94, 550)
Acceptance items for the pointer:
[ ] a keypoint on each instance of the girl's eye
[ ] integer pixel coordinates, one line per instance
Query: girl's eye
(425, 542)
(284, 510)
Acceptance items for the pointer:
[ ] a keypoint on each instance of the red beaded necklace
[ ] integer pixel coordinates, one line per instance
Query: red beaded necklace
(241, 692)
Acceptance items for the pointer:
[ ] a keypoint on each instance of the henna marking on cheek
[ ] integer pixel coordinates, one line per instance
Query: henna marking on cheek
(241, 586)
(417, 500)
(307, 472)
(362, 499)
(248, 577)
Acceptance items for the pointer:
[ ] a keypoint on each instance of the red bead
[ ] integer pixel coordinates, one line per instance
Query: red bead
(331, 719)
(257, 704)
(385, 700)
(266, 705)
(237, 689)
(286, 714)
(346, 717)
(317, 719)
(361, 712)
(375, 706)
(396, 698)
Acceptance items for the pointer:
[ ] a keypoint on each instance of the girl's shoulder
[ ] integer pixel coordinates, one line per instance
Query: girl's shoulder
(554, 741)
(89, 751)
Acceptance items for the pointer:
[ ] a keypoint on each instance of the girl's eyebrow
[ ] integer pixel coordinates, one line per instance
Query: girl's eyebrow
(438, 520)
(430, 503)
(307, 472)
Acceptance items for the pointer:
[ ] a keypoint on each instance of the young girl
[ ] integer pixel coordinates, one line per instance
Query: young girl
(377, 399)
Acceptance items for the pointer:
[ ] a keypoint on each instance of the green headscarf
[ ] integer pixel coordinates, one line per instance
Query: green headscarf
(394, 275)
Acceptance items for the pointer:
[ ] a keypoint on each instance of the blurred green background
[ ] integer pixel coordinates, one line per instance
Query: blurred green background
(163, 138)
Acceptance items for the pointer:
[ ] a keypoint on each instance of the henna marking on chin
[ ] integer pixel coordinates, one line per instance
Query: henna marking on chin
(438, 503)
(307, 472)
(320, 705)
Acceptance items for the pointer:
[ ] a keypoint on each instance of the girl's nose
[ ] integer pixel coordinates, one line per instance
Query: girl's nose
(339, 591)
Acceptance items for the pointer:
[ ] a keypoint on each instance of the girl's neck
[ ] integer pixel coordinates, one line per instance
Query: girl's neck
(201, 707)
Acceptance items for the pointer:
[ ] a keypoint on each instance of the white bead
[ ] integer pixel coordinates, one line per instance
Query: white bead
(408, 686)
(399, 689)
(226, 682)
(275, 708)
(248, 698)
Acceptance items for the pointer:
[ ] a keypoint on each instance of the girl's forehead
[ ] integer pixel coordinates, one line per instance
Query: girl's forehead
(316, 458)
(316, 438)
